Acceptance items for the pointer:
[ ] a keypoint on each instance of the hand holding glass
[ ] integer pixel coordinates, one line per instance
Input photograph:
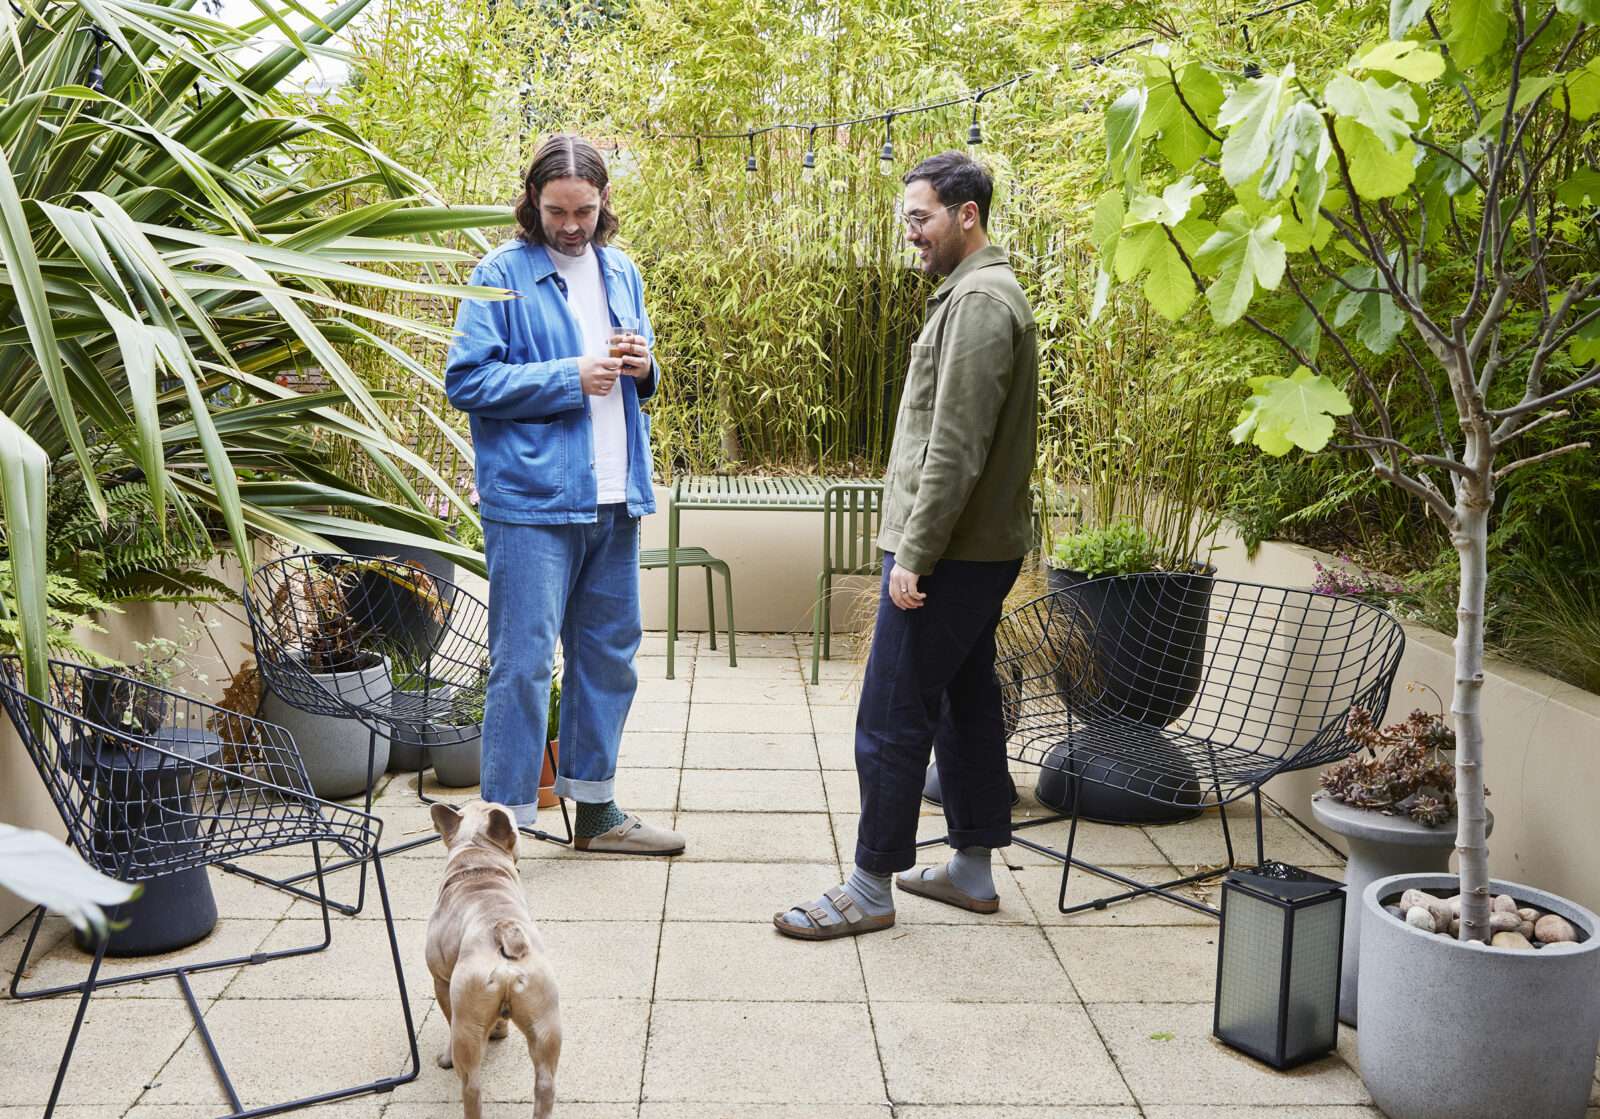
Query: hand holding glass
(629, 345)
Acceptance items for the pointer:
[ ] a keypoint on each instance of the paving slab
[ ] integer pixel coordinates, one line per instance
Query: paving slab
(745, 892)
(66, 964)
(1167, 1054)
(746, 716)
(765, 688)
(964, 964)
(1041, 885)
(658, 716)
(717, 1053)
(1152, 964)
(1017, 1053)
(748, 962)
(651, 749)
(602, 959)
(122, 1044)
(755, 790)
(750, 749)
(756, 837)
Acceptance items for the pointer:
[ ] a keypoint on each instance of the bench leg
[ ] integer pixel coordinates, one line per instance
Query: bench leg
(816, 627)
(727, 588)
(711, 610)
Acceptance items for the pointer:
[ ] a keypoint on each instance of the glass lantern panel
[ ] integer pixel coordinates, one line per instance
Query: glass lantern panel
(1251, 978)
(1314, 979)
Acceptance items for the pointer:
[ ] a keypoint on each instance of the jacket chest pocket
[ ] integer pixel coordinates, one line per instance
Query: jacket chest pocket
(921, 391)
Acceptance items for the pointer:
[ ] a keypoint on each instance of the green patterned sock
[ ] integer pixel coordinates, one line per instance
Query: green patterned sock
(597, 819)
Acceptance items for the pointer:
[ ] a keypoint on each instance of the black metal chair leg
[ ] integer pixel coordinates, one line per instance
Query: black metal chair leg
(77, 1021)
(1261, 842)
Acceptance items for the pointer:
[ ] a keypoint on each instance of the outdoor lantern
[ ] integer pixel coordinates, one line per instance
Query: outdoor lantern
(1278, 963)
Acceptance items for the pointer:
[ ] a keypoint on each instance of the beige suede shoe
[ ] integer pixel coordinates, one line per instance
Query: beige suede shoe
(633, 837)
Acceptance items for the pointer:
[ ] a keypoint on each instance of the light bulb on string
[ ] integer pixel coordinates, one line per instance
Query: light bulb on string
(750, 160)
(97, 78)
(975, 133)
(886, 157)
(808, 165)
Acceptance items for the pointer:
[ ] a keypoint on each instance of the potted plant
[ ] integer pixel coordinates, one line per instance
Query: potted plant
(408, 752)
(547, 775)
(1392, 803)
(1144, 648)
(1413, 220)
(313, 605)
(455, 744)
(143, 794)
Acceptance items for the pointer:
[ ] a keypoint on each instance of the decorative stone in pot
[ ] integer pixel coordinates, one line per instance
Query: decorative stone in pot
(1456, 1030)
(334, 747)
(1380, 846)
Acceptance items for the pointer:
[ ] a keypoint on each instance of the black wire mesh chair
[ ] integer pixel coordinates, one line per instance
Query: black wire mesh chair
(1185, 690)
(150, 785)
(402, 651)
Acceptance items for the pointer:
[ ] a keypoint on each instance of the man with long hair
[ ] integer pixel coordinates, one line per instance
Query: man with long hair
(552, 380)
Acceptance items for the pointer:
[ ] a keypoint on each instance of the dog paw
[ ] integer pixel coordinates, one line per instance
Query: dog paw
(446, 1060)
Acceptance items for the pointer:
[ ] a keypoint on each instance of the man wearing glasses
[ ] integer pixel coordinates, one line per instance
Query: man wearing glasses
(956, 524)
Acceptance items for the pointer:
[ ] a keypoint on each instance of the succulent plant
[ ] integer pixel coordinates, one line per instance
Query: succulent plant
(1401, 769)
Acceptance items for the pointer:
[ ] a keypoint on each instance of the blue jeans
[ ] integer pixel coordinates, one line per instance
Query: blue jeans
(930, 686)
(578, 582)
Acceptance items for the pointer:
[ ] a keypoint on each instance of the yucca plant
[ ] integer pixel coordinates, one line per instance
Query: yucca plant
(167, 263)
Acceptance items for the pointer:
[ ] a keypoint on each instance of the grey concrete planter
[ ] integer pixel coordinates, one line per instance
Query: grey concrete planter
(407, 752)
(334, 748)
(1379, 847)
(456, 764)
(1451, 1030)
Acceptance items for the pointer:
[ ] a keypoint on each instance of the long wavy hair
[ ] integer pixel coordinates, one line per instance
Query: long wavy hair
(563, 157)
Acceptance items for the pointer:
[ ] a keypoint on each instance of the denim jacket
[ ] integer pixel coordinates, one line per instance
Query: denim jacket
(513, 368)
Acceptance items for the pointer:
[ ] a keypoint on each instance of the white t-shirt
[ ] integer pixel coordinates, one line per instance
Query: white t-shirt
(586, 295)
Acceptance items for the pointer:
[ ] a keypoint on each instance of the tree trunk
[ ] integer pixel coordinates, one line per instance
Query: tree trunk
(1471, 543)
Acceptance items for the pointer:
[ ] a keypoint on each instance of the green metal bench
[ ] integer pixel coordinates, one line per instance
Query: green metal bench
(652, 558)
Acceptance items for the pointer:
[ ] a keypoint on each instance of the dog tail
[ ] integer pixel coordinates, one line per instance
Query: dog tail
(512, 940)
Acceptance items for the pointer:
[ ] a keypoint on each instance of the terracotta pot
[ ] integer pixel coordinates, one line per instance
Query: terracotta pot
(547, 780)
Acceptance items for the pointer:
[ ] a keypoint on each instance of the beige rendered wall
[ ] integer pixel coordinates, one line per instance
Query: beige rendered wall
(23, 800)
(774, 557)
(1543, 758)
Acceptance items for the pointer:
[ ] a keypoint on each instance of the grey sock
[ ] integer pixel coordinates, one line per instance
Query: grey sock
(872, 892)
(970, 872)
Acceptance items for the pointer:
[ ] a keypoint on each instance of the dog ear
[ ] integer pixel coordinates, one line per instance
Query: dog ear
(502, 827)
(445, 821)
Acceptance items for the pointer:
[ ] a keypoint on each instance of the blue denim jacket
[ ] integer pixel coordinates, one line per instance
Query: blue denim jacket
(513, 369)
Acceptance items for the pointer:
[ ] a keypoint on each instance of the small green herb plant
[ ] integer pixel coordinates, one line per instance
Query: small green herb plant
(1120, 548)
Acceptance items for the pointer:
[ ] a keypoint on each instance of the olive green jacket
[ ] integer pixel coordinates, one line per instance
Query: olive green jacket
(964, 441)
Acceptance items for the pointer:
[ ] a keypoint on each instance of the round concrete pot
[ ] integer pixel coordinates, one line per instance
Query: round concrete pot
(408, 752)
(457, 761)
(1379, 846)
(334, 747)
(1451, 1030)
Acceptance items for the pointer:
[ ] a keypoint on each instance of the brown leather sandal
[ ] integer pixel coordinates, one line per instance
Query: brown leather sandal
(854, 924)
(934, 882)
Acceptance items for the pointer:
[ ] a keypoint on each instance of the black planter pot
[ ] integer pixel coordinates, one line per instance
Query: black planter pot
(1142, 663)
(143, 816)
(931, 793)
(380, 607)
(1112, 793)
(1147, 642)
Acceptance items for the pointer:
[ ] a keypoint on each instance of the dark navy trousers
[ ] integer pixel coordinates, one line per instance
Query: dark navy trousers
(930, 686)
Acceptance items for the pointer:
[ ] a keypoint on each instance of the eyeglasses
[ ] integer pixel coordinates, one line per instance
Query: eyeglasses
(915, 222)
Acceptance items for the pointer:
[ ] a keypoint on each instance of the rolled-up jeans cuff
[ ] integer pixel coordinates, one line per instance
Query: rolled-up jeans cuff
(980, 837)
(587, 792)
(885, 862)
(526, 815)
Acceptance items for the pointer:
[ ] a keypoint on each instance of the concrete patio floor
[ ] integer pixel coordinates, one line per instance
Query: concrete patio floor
(679, 999)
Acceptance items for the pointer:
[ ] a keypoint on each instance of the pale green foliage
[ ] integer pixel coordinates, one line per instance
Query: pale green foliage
(1292, 411)
(1120, 548)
